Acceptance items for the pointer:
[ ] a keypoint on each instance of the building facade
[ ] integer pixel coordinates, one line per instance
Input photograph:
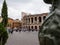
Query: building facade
(10, 22)
(14, 23)
(33, 22)
(17, 23)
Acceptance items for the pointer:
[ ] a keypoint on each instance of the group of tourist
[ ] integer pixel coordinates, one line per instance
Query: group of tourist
(10, 30)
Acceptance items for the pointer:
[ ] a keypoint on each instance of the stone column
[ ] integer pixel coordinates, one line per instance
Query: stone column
(42, 19)
(33, 20)
(38, 20)
(30, 20)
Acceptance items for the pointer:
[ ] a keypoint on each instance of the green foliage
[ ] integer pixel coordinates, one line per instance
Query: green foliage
(3, 34)
(4, 13)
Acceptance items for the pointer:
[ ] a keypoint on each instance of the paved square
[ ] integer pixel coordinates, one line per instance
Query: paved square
(23, 38)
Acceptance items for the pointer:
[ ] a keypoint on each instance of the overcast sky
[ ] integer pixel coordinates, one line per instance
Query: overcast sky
(15, 7)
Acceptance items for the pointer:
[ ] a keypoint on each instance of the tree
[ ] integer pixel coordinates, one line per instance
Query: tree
(4, 14)
(3, 30)
(3, 35)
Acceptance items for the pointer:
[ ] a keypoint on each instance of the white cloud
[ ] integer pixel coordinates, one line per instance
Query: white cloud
(15, 7)
(13, 13)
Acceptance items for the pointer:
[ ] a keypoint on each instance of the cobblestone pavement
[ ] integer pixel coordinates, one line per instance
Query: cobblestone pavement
(23, 38)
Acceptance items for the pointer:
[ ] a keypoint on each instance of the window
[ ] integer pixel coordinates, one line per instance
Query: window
(39, 19)
(29, 20)
(31, 27)
(26, 20)
(35, 18)
(35, 27)
(26, 26)
(44, 17)
(32, 20)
